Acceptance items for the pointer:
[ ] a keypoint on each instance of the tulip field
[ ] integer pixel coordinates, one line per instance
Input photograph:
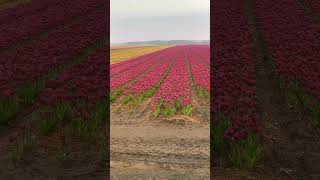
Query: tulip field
(265, 82)
(166, 76)
(53, 81)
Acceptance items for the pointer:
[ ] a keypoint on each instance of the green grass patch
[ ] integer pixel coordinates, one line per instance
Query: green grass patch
(127, 99)
(28, 93)
(115, 94)
(244, 154)
(158, 109)
(202, 93)
(55, 118)
(8, 110)
(187, 110)
(218, 142)
(174, 108)
(87, 128)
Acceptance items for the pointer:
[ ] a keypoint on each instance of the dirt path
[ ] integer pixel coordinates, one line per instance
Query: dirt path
(142, 148)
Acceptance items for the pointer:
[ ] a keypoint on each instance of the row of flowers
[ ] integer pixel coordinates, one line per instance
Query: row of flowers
(134, 71)
(150, 79)
(233, 73)
(293, 41)
(133, 62)
(118, 55)
(177, 84)
(85, 81)
(36, 60)
(44, 20)
(200, 71)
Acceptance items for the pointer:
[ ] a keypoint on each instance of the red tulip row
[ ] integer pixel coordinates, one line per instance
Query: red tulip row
(233, 81)
(12, 32)
(85, 81)
(35, 60)
(200, 72)
(131, 63)
(313, 4)
(203, 52)
(177, 85)
(126, 76)
(293, 40)
(150, 79)
(24, 9)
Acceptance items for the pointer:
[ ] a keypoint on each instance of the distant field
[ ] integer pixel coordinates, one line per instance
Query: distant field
(121, 53)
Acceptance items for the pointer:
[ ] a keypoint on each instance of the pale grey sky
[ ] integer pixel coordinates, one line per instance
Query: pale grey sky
(141, 20)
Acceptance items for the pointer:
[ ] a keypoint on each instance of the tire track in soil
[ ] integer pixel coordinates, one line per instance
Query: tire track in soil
(291, 149)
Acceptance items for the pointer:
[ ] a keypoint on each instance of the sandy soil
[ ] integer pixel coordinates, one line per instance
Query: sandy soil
(143, 148)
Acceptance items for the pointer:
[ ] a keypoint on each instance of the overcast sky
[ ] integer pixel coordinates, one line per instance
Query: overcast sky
(141, 20)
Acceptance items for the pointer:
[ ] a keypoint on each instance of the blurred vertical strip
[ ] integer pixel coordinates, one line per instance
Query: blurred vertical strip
(108, 87)
(212, 59)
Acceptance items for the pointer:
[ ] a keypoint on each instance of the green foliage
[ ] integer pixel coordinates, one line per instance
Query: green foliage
(316, 115)
(218, 142)
(8, 109)
(157, 111)
(55, 118)
(86, 128)
(177, 105)
(244, 154)
(115, 94)
(168, 111)
(28, 93)
(187, 110)
(127, 99)
(203, 93)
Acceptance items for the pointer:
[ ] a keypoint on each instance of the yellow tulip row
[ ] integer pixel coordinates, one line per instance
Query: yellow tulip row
(118, 55)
